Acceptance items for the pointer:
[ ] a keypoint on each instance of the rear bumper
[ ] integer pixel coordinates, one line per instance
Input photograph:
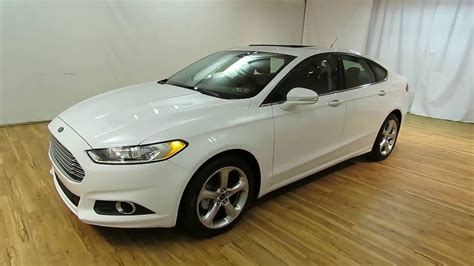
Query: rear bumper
(156, 186)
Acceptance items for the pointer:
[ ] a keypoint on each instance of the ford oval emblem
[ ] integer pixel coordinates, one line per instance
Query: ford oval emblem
(61, 129)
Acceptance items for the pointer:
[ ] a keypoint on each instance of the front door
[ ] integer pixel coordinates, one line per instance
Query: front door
(309, 135)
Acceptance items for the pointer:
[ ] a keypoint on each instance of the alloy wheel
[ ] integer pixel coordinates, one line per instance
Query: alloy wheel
(389, 136)
(222, 197)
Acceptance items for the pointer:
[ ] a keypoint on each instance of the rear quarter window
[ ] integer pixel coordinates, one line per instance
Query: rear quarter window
(380, 72)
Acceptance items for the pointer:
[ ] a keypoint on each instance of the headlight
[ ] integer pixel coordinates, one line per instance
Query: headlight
(137, 154)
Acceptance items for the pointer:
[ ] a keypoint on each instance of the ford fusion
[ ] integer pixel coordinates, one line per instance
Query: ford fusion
(196, 149)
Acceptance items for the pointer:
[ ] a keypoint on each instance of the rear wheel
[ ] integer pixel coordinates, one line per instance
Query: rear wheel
(217, 197)
(386, 139)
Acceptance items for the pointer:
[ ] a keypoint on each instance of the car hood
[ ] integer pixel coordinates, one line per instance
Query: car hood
(130, 115)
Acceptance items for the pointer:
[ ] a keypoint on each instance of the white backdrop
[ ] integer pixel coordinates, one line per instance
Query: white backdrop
(55, 53)
(429, 42)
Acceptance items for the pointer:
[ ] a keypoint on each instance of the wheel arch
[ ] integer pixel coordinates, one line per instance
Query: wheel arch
(398, 113)
(243, 154)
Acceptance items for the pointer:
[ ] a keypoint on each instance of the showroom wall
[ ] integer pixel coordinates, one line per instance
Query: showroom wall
(346, 20)
(55, 53)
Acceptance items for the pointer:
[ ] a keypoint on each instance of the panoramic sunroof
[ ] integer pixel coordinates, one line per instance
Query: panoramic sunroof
(283, 45)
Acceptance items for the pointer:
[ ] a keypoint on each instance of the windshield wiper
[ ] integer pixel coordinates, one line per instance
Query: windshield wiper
(180, 85)
(208, 92)
(195, 88)
(163, 81)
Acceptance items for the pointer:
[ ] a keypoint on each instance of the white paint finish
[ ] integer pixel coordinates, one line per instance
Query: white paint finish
(249, 130)
(288, 145)
(306, 137)
(126, 116)
(299, 96)
(57, 53)
(362, 105)
(142, 184)
(346, 19)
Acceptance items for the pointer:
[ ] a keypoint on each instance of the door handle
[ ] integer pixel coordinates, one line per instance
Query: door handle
(334, 103)
(382, 93)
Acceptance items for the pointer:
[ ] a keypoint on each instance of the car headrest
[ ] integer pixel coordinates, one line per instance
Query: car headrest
(353, 72)
(352, 75)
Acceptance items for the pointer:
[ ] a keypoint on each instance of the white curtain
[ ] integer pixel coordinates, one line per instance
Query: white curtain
(429, 42)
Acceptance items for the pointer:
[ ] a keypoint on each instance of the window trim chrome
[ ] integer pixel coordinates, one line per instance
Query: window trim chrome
(364, 85)
(334, 92)
(338, 91)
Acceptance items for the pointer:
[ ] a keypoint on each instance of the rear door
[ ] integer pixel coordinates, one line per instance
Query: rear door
(361, 94)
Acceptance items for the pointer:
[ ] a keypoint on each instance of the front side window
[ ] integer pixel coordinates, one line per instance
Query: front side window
(357, 71)
(317, 73)
(231, 74)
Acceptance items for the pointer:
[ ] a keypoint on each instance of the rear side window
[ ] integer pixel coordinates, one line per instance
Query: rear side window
(380, 72)
(357, 71)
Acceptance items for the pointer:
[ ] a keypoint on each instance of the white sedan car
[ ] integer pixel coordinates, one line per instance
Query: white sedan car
(197, 148)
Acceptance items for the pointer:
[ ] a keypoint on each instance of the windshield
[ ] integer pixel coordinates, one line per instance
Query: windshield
(231, 74)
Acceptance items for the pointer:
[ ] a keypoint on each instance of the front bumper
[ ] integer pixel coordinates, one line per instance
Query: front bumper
(155, 186)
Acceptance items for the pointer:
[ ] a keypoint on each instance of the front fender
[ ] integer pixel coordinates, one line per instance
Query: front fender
(243, 136)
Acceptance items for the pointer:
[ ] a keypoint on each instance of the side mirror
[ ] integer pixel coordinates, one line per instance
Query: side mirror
(299, 96)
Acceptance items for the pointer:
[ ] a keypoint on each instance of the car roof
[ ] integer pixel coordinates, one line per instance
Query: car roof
(292, 49)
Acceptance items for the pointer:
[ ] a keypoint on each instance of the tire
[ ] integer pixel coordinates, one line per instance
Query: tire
(209, 207)
(386, 139)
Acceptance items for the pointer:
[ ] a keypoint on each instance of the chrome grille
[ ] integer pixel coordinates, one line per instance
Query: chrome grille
(64, 159)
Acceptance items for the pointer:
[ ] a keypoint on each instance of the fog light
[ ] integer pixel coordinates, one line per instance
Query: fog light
(106, 207)
(125, 207)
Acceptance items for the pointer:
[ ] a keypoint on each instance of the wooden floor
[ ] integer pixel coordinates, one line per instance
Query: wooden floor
(415, 207)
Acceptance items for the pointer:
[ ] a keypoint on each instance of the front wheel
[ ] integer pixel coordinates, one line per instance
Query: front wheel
(386, 139)
(217, 197)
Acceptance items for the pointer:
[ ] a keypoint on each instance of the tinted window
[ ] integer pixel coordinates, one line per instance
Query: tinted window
(380, 72)
(357, 71)
(231, 74)
(317, 73)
